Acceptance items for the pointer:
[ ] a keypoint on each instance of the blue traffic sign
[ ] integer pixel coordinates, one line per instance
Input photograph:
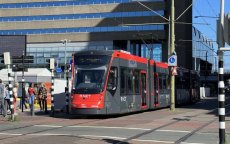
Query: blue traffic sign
(172, 60)
(58, 70)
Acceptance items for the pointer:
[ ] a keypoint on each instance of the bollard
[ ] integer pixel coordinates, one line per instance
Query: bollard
(32, 107)
(52, 90)
(11, 93)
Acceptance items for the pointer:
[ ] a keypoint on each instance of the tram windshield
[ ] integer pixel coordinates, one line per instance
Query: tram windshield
(89, 81)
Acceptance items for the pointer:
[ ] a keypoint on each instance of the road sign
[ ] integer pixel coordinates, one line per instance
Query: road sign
(172, 60)
(22, 59)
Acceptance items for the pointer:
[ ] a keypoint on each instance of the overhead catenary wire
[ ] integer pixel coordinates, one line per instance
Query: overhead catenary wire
(212, 9)
(205, 20)
(152, 11)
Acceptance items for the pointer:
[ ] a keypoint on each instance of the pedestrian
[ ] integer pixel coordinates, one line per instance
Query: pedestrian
(31, 96)
(42, 94)
(7, 98)
(2, 96)
(15, 96)
(24, 99)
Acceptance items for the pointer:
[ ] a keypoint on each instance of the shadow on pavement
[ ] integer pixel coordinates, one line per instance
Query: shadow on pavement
(114, 141)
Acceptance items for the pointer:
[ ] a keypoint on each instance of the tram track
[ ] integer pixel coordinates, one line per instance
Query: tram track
(176, 120)
(41, 123)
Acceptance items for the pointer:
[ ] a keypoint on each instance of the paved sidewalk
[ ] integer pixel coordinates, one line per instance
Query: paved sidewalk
(198, 119)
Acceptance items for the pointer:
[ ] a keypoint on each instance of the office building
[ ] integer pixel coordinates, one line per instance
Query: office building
(135, 26)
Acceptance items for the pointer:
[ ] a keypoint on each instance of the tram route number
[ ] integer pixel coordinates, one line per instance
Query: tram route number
(123, 99)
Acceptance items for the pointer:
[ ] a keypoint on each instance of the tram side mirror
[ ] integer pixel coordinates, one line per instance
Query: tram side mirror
(112, 81)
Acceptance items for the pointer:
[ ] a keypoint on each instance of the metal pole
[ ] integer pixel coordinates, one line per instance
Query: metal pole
(52, 90)
(67, 91)
(195, 56)
(11, 93)
(172, 49)
(221, 91)
(65, 41)
(23, 81)
(206, 59)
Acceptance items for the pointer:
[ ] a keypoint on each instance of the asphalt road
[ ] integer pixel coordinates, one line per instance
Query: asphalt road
(197, 123)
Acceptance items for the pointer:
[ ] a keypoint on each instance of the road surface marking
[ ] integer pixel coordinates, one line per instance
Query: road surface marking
(10, 134)
(103, 127)
(191, 143)
(96, 136)
(178, 131)
(141, 140)
(110, 137)
(52, 126)
(49, 134)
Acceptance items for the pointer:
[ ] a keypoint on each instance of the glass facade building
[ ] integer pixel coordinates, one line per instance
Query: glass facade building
(88, 24)
(99, 24)
(203, 52)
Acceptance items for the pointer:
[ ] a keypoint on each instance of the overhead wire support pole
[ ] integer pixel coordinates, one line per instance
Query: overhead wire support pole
(172, 49)
(221, 91)
(23, 82)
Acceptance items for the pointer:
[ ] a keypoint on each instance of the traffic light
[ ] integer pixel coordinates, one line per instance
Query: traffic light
(50, 63)
(227, 29)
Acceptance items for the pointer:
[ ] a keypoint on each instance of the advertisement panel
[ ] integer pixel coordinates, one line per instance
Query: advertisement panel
(15, 44)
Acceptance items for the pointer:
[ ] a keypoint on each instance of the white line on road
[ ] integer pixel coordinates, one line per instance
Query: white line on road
(178, 131)
(52, 126)
(103, 127)
(96, 136)
(156, 141)
(49, 134)
(10, 134)
(191, 143)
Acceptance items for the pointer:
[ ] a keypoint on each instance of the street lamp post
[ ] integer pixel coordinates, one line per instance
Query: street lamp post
(65, 41)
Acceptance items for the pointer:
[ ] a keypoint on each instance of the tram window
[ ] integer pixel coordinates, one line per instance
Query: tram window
(164, 83)
(160, 82)
(129, 81)
(135, 81)
(112, 81)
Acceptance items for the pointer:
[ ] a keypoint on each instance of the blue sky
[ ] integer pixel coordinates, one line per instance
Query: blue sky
(210, 8)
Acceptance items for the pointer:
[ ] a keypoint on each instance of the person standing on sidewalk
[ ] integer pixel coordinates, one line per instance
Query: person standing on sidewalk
(15, 96)
(7, 98)
(2, 98)
(42, 93)
(24, 99)
(31, 97)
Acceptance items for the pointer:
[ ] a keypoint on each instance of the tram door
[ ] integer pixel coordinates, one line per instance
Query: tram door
(156, 89)
(143, 89)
